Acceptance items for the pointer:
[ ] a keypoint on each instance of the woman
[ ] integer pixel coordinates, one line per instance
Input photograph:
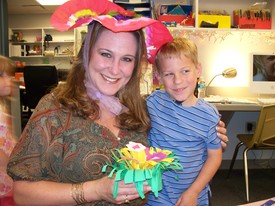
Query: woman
(67, 141)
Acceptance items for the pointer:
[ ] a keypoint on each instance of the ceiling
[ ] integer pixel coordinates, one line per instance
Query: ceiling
(28, 7)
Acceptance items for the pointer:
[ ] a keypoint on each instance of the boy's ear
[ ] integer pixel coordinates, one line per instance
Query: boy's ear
(199, 69)
(158, 77)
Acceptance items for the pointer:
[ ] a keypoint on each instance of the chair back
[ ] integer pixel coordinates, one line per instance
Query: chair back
(39, 80)
(264, 135)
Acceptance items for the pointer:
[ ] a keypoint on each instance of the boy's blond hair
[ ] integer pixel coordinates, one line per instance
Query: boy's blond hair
(177, 48)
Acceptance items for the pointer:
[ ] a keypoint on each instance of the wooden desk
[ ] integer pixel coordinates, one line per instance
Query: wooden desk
(238, 107)
(228, 109)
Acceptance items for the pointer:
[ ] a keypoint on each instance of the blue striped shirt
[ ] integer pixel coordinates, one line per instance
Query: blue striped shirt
(189, 132)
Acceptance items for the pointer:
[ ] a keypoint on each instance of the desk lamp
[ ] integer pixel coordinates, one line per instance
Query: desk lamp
(227, 73)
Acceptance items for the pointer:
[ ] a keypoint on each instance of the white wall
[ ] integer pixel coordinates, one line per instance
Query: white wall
(29, 21)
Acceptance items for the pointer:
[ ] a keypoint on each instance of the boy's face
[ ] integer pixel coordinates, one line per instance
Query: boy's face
(179, 77)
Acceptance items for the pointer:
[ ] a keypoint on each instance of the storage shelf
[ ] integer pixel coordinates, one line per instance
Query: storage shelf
(61, 40)
(228, 6)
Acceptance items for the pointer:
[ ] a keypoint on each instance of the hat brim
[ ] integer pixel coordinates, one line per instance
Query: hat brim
(76, 13)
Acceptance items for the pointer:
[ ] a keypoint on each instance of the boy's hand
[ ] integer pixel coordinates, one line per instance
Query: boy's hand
(188, 198)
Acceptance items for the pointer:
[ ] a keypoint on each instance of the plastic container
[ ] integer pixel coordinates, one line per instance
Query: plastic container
(201, 88)
(223, 21)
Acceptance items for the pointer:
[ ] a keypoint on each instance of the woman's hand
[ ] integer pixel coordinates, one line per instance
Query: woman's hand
(126, 192)
(222, 134)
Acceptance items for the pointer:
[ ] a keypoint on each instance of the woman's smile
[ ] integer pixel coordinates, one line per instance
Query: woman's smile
(110, 79)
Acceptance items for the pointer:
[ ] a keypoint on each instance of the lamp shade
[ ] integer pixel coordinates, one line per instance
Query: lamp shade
(229, 73)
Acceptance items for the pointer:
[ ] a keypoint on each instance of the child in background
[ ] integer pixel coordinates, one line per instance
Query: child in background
(7, 140)
(184, 124)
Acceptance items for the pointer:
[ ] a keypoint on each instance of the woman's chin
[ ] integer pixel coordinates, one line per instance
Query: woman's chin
(109, 92)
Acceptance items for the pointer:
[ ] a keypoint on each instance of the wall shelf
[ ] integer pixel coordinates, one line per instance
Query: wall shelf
(24, 42)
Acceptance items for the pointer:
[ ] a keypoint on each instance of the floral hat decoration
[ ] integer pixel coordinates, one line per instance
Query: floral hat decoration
(136, 163)
(76, 13)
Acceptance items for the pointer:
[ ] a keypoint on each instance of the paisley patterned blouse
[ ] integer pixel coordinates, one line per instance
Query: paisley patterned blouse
(60, 147)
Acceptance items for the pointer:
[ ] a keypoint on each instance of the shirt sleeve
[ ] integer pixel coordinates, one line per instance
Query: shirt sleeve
(29, 153)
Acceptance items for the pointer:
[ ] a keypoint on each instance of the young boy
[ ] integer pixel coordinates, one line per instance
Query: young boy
(184, 124)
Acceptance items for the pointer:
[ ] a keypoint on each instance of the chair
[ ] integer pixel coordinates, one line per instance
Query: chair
(62, 74)
(263, 138)
(39, 80)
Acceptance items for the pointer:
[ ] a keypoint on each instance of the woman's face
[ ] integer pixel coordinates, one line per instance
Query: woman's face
(269, 62)
(112, 61)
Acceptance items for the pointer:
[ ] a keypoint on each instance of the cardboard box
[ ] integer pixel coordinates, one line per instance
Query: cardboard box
(19, 76)
(223, 21)
(174, 9)
(164, 14)
(15, 51)
(253, 23)
(179, 19)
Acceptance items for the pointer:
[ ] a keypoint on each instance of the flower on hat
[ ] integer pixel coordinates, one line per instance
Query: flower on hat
(76, 13)
(136, 163)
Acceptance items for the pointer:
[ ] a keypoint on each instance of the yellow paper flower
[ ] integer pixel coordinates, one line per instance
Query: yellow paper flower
(137, 156)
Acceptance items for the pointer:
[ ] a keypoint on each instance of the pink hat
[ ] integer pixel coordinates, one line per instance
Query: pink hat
(76, 13)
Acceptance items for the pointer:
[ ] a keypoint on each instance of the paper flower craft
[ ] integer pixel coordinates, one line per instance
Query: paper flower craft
(137, 163)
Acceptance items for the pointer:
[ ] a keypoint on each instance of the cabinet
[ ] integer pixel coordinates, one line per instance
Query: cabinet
(30, 42)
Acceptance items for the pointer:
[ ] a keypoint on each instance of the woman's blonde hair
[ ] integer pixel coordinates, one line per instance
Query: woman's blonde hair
(73, 95)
